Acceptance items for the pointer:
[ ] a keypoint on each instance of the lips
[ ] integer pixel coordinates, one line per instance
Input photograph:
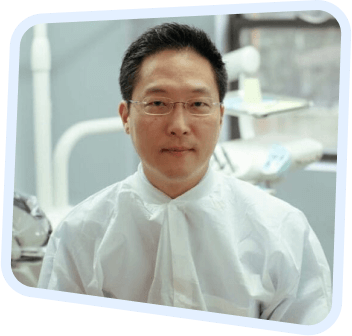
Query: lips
(177, 149)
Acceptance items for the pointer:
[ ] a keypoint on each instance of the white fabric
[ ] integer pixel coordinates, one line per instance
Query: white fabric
(224, 246)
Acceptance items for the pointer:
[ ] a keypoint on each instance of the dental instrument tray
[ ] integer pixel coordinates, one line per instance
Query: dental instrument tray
(236, 105)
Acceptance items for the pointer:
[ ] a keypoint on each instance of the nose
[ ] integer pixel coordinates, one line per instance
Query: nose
(178, 120)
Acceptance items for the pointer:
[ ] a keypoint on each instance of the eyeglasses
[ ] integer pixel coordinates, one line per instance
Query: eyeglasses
(161, 106)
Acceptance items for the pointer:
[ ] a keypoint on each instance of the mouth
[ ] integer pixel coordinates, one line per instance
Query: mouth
(178, 151)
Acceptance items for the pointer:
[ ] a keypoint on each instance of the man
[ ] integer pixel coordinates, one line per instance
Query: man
(177, 233)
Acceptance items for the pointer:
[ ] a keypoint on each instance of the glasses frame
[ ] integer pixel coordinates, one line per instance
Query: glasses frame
(185, 104)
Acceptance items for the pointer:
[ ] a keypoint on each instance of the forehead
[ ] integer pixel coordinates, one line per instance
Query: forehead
(170, 71)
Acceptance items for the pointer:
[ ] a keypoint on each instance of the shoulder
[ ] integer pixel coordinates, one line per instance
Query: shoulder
(274, 227)
(92, 216)
(252, 197)
(262, 213)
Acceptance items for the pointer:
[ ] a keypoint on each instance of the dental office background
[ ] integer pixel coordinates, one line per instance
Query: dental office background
(299, 57)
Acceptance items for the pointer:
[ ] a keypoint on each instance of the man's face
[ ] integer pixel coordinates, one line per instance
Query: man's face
(174, 148)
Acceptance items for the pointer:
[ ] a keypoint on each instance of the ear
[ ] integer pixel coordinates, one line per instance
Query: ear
(222, 111)
(125, 117)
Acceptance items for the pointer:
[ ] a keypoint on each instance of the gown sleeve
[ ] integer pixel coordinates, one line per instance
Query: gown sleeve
(59, 269)
(308, 300)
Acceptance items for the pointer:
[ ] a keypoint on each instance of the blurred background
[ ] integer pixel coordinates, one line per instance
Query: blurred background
(299, 57)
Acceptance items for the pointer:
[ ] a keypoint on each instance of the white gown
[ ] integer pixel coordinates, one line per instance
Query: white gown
(224, 246)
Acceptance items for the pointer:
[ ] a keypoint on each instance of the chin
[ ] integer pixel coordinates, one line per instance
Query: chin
(177, 174)
(182, 173)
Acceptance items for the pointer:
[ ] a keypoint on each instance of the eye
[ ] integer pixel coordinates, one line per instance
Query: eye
(158, 103)
(199, 104)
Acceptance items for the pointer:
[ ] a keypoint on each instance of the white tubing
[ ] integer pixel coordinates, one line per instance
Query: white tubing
(65, 146)
(245, 60)
(41, 65)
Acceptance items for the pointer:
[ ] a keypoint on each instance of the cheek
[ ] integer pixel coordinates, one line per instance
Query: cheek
(210, 130)
(144, 134)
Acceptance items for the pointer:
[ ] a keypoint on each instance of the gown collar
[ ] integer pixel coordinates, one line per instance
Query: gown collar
(151, 194)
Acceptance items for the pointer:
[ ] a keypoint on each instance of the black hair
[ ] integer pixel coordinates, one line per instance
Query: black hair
(170, 36)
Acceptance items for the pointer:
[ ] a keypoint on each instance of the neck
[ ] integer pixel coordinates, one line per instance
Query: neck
(174, 187)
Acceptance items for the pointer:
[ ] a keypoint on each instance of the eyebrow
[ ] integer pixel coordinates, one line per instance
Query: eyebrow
(155, 90)
(161, 90)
